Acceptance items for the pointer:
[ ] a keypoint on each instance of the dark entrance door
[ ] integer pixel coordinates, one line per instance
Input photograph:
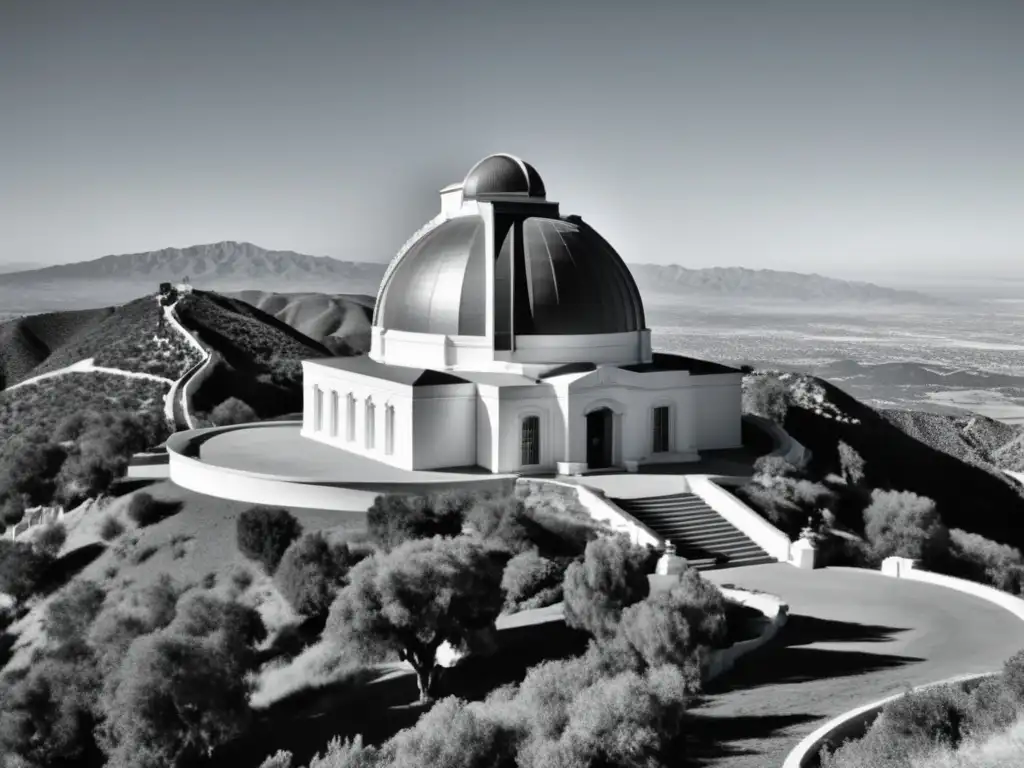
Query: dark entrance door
(599, 439)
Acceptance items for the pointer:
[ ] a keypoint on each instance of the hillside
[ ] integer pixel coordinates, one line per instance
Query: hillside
(48, 403)
(976, 440)
(27, 342)
(767, 285)
(339, 322)
(128, 338)
(257, 356)
(972, 496)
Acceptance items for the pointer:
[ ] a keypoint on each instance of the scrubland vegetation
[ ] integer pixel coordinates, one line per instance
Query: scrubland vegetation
(949, 726)
(859, 515)
(181, 670)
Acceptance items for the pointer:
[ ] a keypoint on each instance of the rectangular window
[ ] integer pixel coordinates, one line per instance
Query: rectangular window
(368, 438)
(389, 430)
(661, 430)
(530, 446)
(350, 419)
(318, 409)
(335, 415)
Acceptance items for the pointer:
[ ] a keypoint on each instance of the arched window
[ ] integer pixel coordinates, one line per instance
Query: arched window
(318, 408)
(389, 429)
(371, 413)
(350, 418)
(335, 414)
(530, 441)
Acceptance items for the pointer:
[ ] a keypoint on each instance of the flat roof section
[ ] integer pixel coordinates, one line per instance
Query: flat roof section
(661, 361)
(399, 374)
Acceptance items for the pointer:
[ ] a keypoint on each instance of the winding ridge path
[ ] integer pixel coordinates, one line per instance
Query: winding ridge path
(853, 637)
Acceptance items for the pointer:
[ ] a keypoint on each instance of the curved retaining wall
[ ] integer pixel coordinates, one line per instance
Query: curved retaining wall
(854, 723)
(775, 611)
(786, 445)
(188, 471)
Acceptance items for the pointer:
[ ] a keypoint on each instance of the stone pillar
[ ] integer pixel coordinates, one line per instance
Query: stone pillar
(897, 566)
(670, 564)
(803, 553)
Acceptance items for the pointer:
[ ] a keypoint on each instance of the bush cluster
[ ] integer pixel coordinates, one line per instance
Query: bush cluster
(394, 519)
(311, 572)
(922, 725)
(265, 533)
(157, 676)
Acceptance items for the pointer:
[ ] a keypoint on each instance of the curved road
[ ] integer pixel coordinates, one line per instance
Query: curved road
(853, 637)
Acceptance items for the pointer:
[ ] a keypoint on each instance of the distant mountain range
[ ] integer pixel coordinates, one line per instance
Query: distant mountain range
(767, 285)
(234, 266)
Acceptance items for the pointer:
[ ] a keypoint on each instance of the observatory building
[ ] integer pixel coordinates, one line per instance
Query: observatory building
(511, 337)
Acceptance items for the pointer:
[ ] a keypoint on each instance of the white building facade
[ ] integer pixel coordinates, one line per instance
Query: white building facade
(510, 337)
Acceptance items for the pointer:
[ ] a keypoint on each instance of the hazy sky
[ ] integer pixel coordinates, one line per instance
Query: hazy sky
(847, 137)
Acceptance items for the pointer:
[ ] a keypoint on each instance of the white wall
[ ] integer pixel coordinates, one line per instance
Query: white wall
(514, 405)
(601, 348)
(718, 411)
(444, 426)
(382, 394)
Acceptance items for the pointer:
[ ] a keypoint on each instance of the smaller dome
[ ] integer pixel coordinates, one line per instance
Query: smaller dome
(502, 174)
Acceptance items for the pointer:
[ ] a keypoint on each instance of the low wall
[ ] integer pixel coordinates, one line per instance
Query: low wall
(600, 508)
(754, 526)
(775, 611)
(855, 723)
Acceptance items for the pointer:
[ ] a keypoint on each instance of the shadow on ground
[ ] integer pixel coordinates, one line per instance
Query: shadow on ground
(792, 662)
(68, 566)
(709, 739)
(379, 704)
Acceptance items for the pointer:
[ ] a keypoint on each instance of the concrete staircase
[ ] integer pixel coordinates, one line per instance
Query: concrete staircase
(699, 534)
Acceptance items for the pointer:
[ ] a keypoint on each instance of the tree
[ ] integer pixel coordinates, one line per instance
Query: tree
(22, 569)
(904, 524)
(233, 411)
(851, 464)
(394, 519)
(612, 576)
(675, 627)
(70, 614)
(178, 698)
(50, 539)
(265, 533)
(772, 466)
(47, 716)
(529, 576)
(311, 572)
(767, 396)
(411, 600)
(29, 466)
(230, 627)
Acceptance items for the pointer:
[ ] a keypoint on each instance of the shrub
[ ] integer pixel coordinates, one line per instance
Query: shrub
(311, 572)
(232, 411)
(987, 561)
(70, 614)
(767, 396)
(144, 510)
(394, 519)
(772, 465)
(241, 578)
(265, 533)
(508, 521)
(142, 554)
(912, 725)
(904, 524)
(526, 576)
(50, 539)
(22, 569)
(850, 464)
(612, 576)
(47, 716)
(110, 528)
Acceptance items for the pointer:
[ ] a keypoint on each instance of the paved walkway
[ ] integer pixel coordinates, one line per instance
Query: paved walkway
(853, 637)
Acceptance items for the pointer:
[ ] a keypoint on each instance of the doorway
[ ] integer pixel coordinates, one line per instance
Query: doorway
(599, 438)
